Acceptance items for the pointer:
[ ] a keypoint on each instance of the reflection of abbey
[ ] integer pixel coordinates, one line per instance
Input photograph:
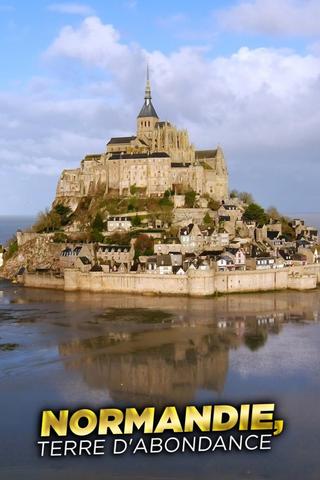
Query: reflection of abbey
(158, 158)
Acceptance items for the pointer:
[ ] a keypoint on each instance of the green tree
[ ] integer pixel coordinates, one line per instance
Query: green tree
(98, 223)
(120, 238)
(136, 221)
(273, 213)
(287, 231)
(213, 204)
(190, 198)
(47, 222)
(12, 247)
(64, 212)
(133, 204)
(143, 245)
(207, 220)
(255, 213)
(96, 236)
(60, 237)
(234, 193)
(246, 197)
(165, 202)
(133, 189)
(167, 194)
(165, 215)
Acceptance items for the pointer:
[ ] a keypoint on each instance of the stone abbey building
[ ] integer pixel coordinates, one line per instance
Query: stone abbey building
(158, 158)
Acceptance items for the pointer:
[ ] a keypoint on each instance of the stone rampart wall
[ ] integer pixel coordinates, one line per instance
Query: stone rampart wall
(126, 282)
(251, 281)
(195, 283)
(42, 280)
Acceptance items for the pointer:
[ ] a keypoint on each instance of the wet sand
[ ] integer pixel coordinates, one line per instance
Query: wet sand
(76, 349)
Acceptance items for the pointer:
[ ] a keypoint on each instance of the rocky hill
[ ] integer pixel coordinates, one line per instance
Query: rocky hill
(38, 253)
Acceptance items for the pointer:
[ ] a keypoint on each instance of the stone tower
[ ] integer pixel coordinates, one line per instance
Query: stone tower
(147, 117)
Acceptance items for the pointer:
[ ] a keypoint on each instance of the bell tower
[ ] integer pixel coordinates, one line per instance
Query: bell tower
(147, 117)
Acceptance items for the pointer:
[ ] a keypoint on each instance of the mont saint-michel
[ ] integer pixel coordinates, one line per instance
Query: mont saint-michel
(157, 159)
(152, 214)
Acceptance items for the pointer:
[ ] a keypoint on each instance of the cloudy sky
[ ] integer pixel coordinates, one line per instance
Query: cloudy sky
(245, 75)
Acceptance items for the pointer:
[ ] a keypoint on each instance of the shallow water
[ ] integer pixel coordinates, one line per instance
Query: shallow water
(75, 349)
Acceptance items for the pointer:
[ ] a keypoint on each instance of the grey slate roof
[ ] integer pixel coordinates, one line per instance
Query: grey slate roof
(127, 156)
(114, 247)
(164, 261)
(85, 260)
(186, 230)
(121, 140)
(96, 268)
(162, 124)
(147, 110)
(205, 154)
(211, 253)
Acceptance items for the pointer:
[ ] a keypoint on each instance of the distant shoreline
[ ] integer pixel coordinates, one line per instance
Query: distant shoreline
(9, 224)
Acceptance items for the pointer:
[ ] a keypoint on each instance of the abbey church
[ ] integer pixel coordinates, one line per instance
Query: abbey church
(158, 158)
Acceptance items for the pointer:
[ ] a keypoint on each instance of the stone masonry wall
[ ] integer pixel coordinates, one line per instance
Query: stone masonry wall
(195, 283)
(43, 280)
(251, 280)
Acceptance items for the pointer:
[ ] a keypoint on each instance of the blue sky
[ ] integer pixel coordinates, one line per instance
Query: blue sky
(27, 28)
(243, 74)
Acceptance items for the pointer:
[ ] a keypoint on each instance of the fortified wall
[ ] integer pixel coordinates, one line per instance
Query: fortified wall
(195, 283)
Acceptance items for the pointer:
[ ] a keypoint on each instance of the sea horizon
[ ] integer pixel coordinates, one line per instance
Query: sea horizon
(9, 224)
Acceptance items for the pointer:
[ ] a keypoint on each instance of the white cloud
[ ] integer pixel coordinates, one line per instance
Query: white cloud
(273, 17)
(260, 104)
(71, 8)
(314, 48)
(96, 44)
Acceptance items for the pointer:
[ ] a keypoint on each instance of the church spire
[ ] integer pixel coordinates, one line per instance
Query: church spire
(147, 95)
(148, 109)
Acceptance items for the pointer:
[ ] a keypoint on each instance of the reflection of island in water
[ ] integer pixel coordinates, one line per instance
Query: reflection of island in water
(142, 355)
(153, 365)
